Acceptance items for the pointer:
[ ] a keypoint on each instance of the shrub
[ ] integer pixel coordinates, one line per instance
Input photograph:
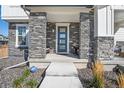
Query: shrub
(120, 80)
(18, 82)
(32, 83)
(26, 73)
(98, 75)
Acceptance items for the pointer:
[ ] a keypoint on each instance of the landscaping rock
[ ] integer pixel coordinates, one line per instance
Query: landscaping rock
(86, 77)
(7, 76)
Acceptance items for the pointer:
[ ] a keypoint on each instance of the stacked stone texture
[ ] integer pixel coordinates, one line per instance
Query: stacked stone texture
(14, 52)
(37, 35)
(74, 36)
(51, 36)
(84, 35)
(104, 48)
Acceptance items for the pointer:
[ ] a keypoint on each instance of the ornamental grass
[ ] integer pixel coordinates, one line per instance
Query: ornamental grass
(98, 75)
(120, 80)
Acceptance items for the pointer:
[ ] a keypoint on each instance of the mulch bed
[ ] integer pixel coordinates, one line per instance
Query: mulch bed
(86, 76)
(7, 76)
(6, 62)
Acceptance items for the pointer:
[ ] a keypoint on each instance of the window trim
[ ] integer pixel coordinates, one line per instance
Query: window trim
(27, 30)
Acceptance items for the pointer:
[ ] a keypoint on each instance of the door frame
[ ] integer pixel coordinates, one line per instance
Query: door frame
(67, 25)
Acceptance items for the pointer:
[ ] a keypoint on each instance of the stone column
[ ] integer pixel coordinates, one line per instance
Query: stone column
(37, 36)
(86, 35)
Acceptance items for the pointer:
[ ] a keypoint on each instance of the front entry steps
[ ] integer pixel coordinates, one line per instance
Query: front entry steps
(61, 75)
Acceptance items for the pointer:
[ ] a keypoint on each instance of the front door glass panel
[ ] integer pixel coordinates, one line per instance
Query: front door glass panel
(62, 39)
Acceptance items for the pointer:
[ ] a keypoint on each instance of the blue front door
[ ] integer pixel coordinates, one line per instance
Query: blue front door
(62, 39)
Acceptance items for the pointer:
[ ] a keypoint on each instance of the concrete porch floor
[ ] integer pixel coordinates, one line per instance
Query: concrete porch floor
(63, 58)
(82, 63)
(79, 63)
(71, 58)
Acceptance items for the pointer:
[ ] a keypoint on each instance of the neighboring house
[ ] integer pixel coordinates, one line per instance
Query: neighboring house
(60, 28)
(3, 40)
(3, 46)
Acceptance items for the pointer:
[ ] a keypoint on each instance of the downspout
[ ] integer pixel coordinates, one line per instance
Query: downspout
(27, 11)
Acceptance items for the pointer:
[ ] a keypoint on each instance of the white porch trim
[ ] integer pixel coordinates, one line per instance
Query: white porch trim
(62, 24)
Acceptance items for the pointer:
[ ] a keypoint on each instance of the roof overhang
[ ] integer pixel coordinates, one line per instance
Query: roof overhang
(60, 13)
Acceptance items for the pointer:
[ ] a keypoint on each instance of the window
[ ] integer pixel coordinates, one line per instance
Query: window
(21, 35)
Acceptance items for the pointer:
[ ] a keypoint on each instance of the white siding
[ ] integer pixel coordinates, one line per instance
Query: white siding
(102, 21)
(104, 18)
(13, 12)
(119, 35)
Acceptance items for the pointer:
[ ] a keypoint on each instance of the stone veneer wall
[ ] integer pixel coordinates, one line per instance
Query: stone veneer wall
(37, 33)
(14, 52)
(86, 35)
(104, 48)
(51, 36)
(74, 35)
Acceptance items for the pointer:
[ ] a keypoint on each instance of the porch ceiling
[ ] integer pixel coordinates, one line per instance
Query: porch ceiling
(119, 16)
(61, 13)
(118, 19)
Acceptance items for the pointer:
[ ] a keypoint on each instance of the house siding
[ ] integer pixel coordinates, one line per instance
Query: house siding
(86, 35)
(14, 52)
(18, 53)
(51, 36)
(37, 35)
(74, 34)
(104, 48)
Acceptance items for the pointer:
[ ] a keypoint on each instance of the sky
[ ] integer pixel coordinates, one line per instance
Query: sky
(3, 26)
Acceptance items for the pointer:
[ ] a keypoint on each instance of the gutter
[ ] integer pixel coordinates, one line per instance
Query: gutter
(87, 6)
(26, 10)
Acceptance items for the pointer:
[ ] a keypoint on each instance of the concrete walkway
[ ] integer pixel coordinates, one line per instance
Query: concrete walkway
(61, 75)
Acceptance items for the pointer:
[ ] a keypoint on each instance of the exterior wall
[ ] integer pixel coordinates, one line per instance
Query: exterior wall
(51, 36)
(104, 32)
(86, 35)
(37, 33)
(104, 20)
(74, 35)
(104, 48)
(13, 12)
(14, 52)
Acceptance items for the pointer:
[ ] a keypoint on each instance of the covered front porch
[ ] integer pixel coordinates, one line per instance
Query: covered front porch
(60, 31)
